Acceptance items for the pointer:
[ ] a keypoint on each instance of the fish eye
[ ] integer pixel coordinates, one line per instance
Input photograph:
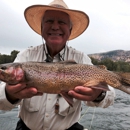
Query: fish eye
(3, 67)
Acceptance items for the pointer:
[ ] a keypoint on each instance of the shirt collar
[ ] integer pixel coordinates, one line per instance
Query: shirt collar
(60, 55)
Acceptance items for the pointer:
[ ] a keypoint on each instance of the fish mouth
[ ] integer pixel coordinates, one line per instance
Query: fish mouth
(3, 67)
(11, 75)
(2, 74)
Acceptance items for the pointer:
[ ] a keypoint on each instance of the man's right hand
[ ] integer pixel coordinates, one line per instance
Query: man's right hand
(20, 91)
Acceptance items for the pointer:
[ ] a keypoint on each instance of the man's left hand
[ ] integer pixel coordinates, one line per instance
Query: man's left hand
(85, 93)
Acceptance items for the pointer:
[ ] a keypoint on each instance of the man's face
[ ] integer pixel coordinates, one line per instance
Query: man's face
(56, 28)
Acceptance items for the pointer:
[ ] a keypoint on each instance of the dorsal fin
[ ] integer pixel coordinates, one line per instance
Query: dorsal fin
(68, 62)
(102, 67)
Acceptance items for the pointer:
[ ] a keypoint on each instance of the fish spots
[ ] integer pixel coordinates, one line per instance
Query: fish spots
(57, 77)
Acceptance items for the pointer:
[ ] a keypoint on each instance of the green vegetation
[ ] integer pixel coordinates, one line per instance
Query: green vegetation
(8, 58)
(113, 66)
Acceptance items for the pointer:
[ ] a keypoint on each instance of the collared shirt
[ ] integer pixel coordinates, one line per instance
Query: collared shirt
(38, 112)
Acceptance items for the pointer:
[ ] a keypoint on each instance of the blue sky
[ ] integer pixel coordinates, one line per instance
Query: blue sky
(109, 27)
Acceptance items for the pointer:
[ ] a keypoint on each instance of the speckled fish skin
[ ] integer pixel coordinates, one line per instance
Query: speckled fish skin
(62, 76)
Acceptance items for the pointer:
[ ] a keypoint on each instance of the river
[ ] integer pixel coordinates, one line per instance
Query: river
(116, 117)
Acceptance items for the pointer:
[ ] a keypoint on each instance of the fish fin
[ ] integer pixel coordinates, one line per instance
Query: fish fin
(102, 67)
(125, 81)
(98, 85)
(61, 62)
(68, 98)
(125, 76)
(3, 74)
(68, 62)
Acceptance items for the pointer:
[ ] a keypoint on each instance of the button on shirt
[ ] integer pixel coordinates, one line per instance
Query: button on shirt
(38, 112)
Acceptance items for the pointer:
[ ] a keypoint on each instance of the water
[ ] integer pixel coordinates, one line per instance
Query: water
(8, 119)
(116, 117)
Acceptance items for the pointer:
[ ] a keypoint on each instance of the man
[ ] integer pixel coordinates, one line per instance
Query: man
(41, 111)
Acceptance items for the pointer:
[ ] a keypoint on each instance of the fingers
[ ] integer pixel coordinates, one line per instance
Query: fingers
(20, 91)
(84, 90)
(26, 93)
(84, 93)
(80, 96)
(15, 88)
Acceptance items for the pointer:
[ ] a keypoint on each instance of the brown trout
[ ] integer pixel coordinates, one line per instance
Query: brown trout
(62, 76)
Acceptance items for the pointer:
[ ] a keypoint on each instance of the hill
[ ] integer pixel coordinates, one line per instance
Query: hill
(115, 55)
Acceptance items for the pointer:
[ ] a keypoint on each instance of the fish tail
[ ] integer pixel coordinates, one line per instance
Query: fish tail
(125, 81)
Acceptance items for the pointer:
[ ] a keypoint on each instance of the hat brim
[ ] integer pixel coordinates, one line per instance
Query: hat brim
(35, 13)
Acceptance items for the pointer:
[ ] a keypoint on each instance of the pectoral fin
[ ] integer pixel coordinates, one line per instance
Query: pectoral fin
(67, 97)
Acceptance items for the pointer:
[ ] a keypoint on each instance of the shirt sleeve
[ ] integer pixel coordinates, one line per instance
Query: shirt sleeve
(4, 103)
(110, 95)
(22, 56)
(106, 102)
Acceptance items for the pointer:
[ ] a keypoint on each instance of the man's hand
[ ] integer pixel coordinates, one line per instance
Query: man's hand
(20, 91)
(85, 93)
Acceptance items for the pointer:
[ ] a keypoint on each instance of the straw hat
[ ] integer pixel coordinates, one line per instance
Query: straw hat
(33, 15)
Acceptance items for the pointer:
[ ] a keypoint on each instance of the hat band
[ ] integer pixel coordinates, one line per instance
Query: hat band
(58, 6)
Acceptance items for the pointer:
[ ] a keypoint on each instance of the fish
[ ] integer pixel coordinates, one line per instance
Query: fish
(60, 77)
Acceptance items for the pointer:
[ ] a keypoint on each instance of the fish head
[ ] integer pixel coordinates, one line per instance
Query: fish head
(11, 73)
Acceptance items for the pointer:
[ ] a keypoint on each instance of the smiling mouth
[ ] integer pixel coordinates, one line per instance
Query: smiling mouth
(55, 34)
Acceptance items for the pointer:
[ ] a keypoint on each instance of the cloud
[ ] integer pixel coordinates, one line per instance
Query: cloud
(109, 27)
(15, 34)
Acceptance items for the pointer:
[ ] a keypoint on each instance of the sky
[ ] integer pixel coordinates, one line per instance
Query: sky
(109, 27)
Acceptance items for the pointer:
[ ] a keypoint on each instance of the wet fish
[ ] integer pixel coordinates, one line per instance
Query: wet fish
(63, 76)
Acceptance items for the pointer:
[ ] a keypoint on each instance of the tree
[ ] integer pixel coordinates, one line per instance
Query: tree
(14, 54)
(113, 66)
(8, 58)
